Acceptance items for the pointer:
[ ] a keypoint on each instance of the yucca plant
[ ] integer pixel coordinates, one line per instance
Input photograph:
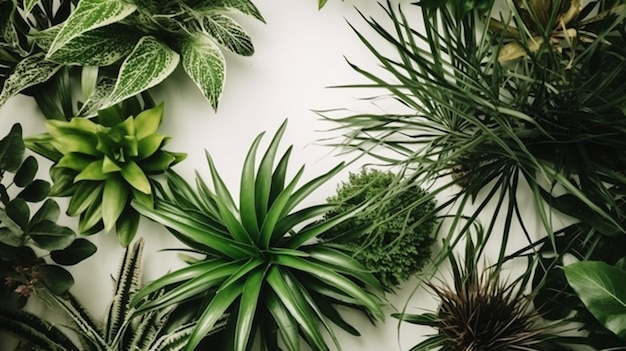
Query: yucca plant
(154, 331)
(261, 264)
(552, 120)
(479, 310)
(105, 162)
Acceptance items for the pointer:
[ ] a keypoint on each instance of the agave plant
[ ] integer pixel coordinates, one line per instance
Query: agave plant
(153, 331)
(105, 163)
(139, 43)
(552, 120)
(27, 240)
(262, 264)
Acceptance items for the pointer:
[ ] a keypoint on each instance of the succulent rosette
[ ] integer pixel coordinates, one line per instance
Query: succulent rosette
(105, 162)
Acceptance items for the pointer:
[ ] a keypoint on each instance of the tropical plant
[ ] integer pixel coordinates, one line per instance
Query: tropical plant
(153, 331)
(105, 162)
(399, 244)
(262, 265)
(480, 311)
(22, 62)
(25, 239)
(551, 121)
(139, 43)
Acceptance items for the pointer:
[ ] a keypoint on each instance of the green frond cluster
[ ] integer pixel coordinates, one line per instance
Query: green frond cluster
(398, 245)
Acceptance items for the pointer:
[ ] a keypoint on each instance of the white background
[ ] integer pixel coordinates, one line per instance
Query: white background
(299, 53)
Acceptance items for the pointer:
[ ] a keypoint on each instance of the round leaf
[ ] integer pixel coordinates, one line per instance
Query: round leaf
(51, 236)
(35, 191)
(55, 278)
(78, 250)
(18, 212)
(26, 173)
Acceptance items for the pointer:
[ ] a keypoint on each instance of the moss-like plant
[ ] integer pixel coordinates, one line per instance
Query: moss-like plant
(153, 331)
(262, 265)
(105, 163)
(26, 239)
(399, 244)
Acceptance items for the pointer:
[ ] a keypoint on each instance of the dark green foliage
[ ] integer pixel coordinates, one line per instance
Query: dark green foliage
(21, 269)
(399, 243)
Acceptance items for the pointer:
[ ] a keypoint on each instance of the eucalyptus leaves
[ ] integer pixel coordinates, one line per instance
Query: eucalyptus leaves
(106, 163)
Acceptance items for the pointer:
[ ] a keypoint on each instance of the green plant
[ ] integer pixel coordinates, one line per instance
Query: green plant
(105, 162)
(22, 62)
(262, 265)
(479, 311)
(22, 269)
(153, 331)
(551, 121)
(399, 244)
(141, 42)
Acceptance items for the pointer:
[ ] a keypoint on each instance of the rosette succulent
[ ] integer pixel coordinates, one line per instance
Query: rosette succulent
(105, 163)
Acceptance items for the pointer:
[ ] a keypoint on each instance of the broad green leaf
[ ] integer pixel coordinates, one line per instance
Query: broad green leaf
(205, 64)
(114, 200)
(134, 175)
(12, 149)
(51, 236)
(126, 226)
(150, 62)
(601, 288)
(26, 173)
(229, 34)
(88, 15)
(7, 237)
(35, 191)
(321, 3)
(246, 191)
(78, 162)
(222, 300)
(76, 252)
(245, 7)
(99, 47)
(147, 146)
(18, 212)
(30, 71)
(55, 278)
(248, 307)
(90, 221)
(148, 121)
(93, 171)
(287, 325)
(85, 194)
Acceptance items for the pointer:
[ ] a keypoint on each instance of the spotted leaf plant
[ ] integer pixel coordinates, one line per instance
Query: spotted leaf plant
(106, 162)
(143, 41)
(263, 265)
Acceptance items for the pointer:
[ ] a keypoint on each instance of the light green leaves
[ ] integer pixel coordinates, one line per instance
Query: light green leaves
(601, 288)
(30, 71)
(88, 15)
(148, 64)
(205, 64)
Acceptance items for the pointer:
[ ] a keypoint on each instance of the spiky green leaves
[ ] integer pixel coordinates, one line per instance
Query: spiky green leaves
(263, 266)
(104, 164)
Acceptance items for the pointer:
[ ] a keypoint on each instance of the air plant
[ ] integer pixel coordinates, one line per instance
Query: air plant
(550, 121)
(155, 331)
(261, 262)
(106, 162)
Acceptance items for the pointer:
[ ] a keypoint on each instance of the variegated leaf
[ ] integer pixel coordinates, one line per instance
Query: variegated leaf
(150, 62)
(98, 97)
(29, 4)
(245, 7)
(88, 15)
(229, 34)
(99, 47)
(30, 71)
(38, 332)
(205, 64)
(83, 320)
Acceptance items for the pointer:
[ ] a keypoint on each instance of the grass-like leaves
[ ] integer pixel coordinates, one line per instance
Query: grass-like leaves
(263, 266)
